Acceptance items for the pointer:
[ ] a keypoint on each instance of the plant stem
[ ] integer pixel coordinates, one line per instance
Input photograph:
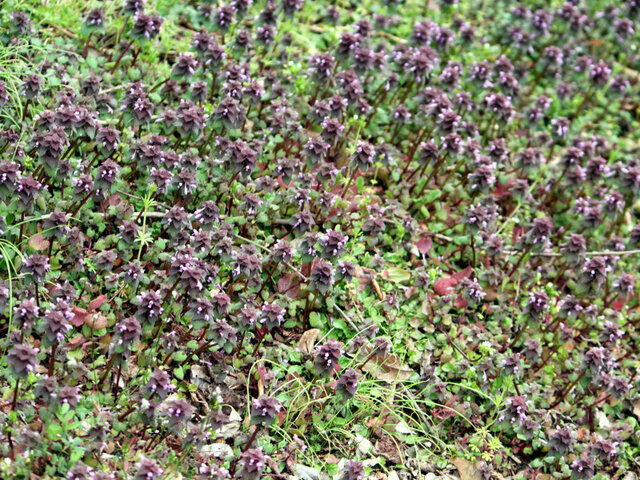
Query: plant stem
(346, 187)
(566, 391)
(86, 46)
(15, 395)
(52, 359)
(107, 368)
(115, 67)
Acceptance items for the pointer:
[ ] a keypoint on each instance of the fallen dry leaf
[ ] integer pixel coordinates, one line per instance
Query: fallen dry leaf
(365, 275)
(97, 302)
(97, 321)
(424, 245)
(636, 408)
(388, 448)
(377, 288)
(39, 243)
(444, 286)
(80, 316)
(308, 340)
(290, 285)
(389, 369)
(467, 470)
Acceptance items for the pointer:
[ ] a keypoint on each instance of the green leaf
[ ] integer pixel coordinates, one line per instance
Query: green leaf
(179, 356)
(315, 320)
(461, 239)
(76, 354)
(399, 275)
(179, 373)
(76, 455)
(333, 469)
(292, 322)
(63, 409)
(433, 195)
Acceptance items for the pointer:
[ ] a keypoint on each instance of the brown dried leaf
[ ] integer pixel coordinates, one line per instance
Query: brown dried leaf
(388, 448)
(97, 302)
(467, 470)
(377, 288)
(308, 340)
(365, 275)
(289, 285)
(389, 369)
(79, 316)
(39, 243)
(75, 342)
(97, 321)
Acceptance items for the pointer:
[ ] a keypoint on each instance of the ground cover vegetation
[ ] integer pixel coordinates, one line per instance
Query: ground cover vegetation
(386, 240)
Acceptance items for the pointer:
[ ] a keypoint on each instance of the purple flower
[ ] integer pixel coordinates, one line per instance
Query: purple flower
(147, 470)
(562, 440)
(146, 27)
(28, 189)
(353, 471)
(56, 325)
(69, 395)
(213, 472)
(363, 155)
(604, 450)
(316, 149)
(583, 468)
(512, 365)
(327, 356)
(333, 244)
(31, 85)
(264, 410)
(159, 385)
(594, 273)
(516, 409)
(253, 462)
(150, 306)
(598, 360)
(95, 18)
(80, 471)
(321, 278)
(472, 291)
(321, 65)
(303, 221)
(22, 359)
(36, 266)
(540, 231)
(348, 384)
(230, 112)
(185, 66)
(537, 305)
(224, 17)
(271, 315)
(177, 412)
(127, 333)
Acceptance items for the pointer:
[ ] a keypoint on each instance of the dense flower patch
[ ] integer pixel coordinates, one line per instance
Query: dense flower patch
(239, 237)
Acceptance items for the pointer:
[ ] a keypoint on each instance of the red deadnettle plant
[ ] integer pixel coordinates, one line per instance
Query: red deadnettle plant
(247, 239)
